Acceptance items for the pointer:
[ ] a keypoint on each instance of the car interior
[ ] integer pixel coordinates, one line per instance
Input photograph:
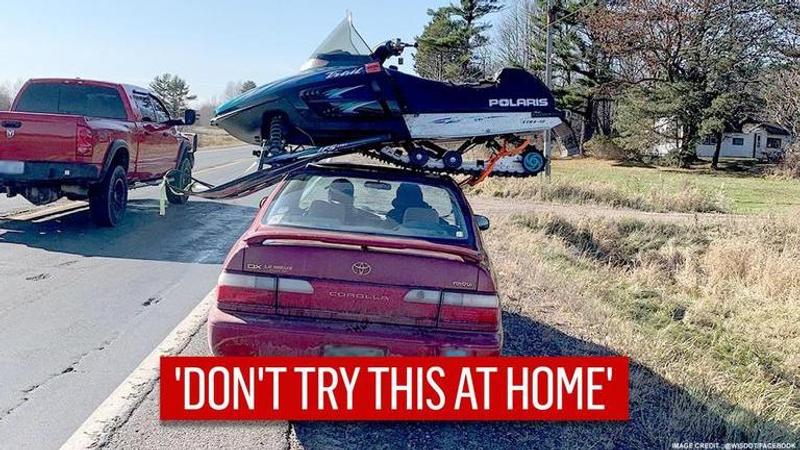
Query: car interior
(369, 206)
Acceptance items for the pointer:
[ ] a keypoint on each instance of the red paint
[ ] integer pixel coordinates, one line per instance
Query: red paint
(341, 305)
(153, 148)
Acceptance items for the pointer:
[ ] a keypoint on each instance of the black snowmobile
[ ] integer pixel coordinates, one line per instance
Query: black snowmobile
(344, 101)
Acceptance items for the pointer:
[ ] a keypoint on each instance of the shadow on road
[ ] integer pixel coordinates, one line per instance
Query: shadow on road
(661, 413)
(197, 232)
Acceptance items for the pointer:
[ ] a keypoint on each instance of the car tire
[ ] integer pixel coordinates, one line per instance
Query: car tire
(181, 179)
(108, 199)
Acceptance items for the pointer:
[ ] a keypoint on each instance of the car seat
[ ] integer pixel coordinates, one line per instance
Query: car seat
(421, 218)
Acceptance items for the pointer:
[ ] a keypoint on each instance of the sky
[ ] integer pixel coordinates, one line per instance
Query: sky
(207, 43)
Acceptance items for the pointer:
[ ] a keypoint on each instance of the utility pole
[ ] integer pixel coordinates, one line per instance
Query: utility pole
(548, 79)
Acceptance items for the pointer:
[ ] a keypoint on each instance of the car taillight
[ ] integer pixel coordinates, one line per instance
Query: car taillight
(247, 293)
(256, 293)
(84, 141)
(461, 310)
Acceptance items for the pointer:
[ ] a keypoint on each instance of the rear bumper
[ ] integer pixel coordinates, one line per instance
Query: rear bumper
(240, 334)
(38, 173)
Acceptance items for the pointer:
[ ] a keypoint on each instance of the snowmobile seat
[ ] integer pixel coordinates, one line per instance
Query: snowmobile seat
(512, 75)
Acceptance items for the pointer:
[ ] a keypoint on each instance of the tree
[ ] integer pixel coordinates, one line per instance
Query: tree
(707, 52)
(5, 99)
(781, 94)
(471, 33)
(247, 86)
(581, 70)
(450, 44)
(437, 54)
(173, 90)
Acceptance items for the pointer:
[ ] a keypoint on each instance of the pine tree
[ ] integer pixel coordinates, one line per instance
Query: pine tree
(173, 90)
(436, 56)
(450, 43)
(247, 86)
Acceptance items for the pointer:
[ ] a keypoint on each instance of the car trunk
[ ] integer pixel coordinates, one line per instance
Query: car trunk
(38, 137)
(379, 280)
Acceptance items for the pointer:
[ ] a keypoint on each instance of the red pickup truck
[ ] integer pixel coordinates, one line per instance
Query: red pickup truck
(90, 140)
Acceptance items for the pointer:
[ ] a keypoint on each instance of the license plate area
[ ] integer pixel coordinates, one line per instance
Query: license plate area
(12, 167)
(352, 350)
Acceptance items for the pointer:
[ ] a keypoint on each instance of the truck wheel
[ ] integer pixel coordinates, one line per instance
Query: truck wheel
(181, 179)
(107, 200)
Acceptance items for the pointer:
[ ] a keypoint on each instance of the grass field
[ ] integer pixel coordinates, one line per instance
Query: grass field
(652, 189)
(213, 137)
(708, 313)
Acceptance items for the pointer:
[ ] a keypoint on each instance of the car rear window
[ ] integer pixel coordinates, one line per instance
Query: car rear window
(81, 100)
(370, 206)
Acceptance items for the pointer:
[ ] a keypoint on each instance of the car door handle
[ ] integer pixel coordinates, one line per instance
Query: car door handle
(12, 124)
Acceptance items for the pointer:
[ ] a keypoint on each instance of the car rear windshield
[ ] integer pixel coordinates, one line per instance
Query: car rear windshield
(77, 99)
(370, 206)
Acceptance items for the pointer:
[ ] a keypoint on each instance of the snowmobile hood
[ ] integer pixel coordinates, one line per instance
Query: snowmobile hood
(252, 97)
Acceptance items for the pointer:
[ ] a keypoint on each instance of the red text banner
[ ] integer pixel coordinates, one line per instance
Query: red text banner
(343, 388)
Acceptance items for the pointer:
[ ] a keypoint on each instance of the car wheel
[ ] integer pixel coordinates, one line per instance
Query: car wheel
(108, 199)
(181, 178)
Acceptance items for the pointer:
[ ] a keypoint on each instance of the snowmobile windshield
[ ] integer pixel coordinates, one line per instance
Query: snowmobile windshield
(343, 47)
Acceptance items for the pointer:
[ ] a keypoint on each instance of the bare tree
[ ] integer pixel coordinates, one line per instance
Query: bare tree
(5, 99)
(516, 33)
(232, 89)
(782, 98)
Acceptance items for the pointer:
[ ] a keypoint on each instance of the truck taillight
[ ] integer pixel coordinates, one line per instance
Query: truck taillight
(461, 310)
(255, 293)
(84, 141)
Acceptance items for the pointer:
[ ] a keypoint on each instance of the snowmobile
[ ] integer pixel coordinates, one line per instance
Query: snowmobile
(345, 101)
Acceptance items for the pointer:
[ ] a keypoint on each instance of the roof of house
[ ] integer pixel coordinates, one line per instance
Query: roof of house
(769, 127)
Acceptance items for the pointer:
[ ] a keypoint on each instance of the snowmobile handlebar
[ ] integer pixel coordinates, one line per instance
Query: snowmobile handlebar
(391, 48)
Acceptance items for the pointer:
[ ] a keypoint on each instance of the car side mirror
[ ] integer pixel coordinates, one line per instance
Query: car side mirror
(482, 222)
(189, 117)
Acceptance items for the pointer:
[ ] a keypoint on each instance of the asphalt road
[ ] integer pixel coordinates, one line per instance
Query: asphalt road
(81, 306)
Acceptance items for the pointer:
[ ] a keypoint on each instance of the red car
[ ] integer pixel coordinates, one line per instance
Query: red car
(347, 260)
(90, 140)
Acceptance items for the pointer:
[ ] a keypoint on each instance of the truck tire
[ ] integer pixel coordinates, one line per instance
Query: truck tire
(181, 179)
(107, 199)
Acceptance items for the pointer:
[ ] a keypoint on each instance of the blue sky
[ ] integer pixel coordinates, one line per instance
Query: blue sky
(207, 43)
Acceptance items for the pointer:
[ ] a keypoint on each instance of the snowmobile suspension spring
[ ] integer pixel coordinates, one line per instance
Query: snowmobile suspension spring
(276, 134)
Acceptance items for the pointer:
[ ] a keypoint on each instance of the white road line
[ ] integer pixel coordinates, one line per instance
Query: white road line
(222, 166)
(226, 148)
(46, 211)
(115, 410)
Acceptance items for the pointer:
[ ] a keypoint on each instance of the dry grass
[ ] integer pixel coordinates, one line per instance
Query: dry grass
(712, 309)
(689, 198)
(214, 137)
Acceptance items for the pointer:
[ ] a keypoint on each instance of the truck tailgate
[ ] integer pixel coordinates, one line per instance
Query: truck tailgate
(37, 137)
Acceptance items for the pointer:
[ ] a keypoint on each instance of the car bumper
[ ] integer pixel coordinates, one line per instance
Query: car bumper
(30, 173)
(238, 334)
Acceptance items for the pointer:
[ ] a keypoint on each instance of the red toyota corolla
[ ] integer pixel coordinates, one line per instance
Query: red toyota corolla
(348, 260)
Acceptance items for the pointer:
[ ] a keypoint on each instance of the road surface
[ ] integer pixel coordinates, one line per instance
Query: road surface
(81, 306)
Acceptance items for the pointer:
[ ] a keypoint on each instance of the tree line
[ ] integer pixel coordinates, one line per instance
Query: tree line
(633, 73)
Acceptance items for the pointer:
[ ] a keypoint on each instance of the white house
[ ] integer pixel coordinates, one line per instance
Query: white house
(755, 140)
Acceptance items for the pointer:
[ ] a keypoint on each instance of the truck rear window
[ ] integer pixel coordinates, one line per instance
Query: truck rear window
(80, 100)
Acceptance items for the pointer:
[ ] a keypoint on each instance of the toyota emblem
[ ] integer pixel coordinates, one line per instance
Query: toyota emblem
(9, 133)
(361, 268)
